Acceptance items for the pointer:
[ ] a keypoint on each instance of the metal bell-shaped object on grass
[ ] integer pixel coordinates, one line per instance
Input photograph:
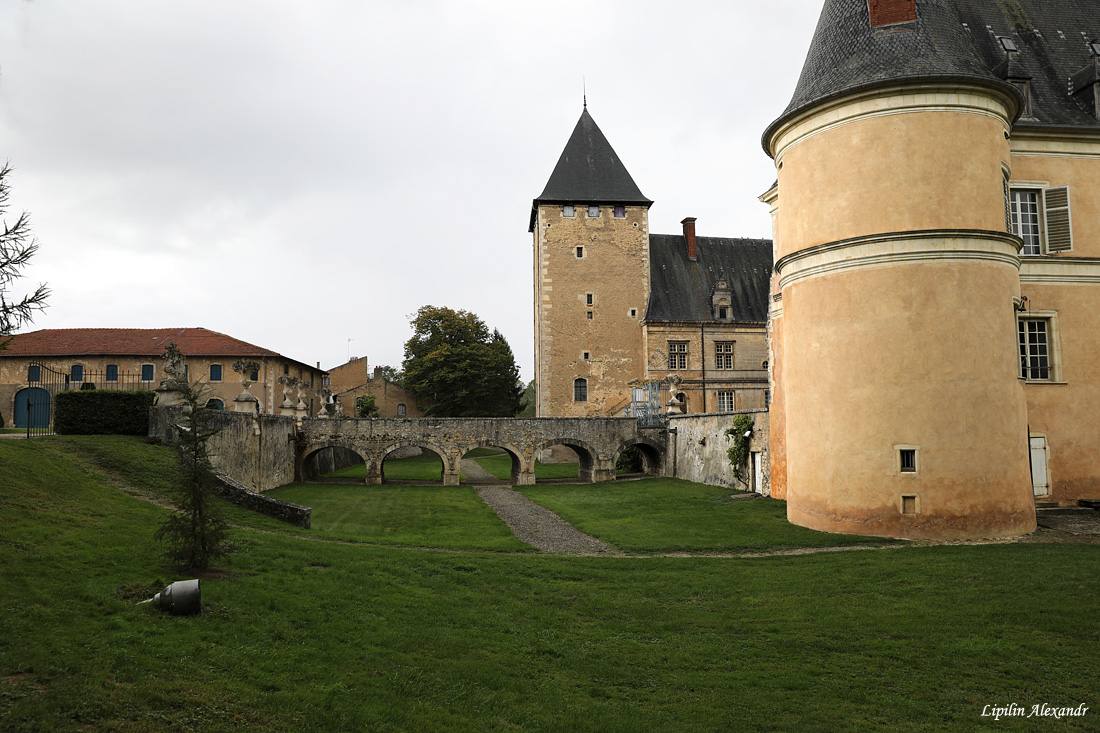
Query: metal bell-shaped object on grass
(182, 598)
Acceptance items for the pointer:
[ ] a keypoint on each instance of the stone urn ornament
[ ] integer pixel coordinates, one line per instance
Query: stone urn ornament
(246, 401)
(168, 393)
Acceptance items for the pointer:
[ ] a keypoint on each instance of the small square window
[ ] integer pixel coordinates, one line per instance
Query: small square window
(633, 312)
(255, 377)
(586, 356)
(567, 211)
(215, 372)
(580, 252)
(589, 315)
(147, 372)
(593, 212)
(620, 212)
(907, 458)
(909, 504)
(76, 374)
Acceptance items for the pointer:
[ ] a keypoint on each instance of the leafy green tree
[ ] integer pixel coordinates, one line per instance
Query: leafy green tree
(17, 246)
(456, 367)
(196, 533)
(365, 406)
(528, 400)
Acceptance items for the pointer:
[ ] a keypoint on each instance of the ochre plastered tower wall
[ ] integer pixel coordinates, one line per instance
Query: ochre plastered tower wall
(614, 269)
(897, 284)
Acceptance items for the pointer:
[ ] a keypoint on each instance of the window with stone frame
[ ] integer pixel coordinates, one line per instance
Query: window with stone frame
(148, 371)
(402, 410)
(580, 389)
(723, 355)
(1025, 219)
(1034, 343)
(1041, 217)
(215, 372)
(593, 212)
(677, 355)
(567, 211)
(725, 402)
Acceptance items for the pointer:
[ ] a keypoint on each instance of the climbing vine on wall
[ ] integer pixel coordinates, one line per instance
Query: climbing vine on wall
(740, 435)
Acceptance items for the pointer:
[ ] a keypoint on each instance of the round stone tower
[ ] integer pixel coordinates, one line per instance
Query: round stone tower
(896, 282)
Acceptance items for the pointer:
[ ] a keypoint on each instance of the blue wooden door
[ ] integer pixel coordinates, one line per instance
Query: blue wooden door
(32, 406)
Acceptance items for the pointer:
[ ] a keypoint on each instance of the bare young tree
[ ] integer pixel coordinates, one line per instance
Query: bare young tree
(17, 246)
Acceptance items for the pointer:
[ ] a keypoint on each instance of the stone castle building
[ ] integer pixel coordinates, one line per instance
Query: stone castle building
(37, 364)
(935, 346)
(617, 307)
(353, 378)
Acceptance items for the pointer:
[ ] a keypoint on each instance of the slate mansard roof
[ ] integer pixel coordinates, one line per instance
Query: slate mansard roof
(589, 171)
(681, 290)
(146, 342)
(954, 40)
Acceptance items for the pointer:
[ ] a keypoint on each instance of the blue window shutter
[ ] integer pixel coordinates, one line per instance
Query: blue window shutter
(112, 372)
(215, 372)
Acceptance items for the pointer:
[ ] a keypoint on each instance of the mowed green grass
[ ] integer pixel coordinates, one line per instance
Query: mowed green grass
(416, 516)
(300, 634)
(500, 465)
(663, 514)
(428, 467)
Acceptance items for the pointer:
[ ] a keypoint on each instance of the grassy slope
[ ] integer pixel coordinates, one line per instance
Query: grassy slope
(306, 635)
(658, 515)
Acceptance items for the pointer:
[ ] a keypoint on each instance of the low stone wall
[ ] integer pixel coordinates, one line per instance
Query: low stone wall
(282, 510)
(698, 445)
(256, 451)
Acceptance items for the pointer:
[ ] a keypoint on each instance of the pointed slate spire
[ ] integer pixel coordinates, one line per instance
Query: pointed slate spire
(590, 172)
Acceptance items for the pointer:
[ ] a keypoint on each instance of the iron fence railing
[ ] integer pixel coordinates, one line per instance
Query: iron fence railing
(34, 404)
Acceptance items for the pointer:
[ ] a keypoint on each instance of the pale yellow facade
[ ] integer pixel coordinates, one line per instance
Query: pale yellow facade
(895, 324)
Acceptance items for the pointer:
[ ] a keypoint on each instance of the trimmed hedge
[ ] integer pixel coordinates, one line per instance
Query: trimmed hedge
(102, 412)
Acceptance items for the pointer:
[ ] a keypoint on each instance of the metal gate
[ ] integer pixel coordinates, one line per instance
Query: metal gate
(645, 403)
(34, 403)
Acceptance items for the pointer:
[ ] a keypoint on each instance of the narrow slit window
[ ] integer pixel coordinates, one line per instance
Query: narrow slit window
(580, 252)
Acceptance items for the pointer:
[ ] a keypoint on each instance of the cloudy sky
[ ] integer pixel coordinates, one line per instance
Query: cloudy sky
(298, 174)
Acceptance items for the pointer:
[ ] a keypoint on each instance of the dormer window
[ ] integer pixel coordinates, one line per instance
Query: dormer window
(723, 313)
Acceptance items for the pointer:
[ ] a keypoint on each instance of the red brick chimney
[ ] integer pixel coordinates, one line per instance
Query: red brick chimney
(888, 12)
(689, 235)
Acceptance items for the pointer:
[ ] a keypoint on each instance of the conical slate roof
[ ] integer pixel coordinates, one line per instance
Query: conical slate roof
(954, 40)
(589, 171)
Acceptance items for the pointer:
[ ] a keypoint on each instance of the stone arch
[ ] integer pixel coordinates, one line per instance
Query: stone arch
(652, 454)
(449, 476)
(305, 470)
(587, 455)
(521, 466)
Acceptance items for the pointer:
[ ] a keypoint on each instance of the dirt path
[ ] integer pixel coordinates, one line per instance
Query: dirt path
(538, 526)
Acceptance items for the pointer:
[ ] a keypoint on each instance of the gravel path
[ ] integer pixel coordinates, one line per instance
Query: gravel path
(473, 473)
(538, 526)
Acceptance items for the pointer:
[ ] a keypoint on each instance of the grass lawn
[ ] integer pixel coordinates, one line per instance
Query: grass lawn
(664, 514)
(415, 516)
(425, 467)
(500, 465)
(299, 634)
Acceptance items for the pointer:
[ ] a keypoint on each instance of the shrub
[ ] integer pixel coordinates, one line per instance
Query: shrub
(102, 412)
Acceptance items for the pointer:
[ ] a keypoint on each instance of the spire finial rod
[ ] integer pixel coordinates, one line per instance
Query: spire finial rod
(584, 91)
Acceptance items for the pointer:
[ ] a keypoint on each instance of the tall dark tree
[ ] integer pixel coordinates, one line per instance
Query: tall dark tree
(456, 367)
(196, 534)
(17, 246)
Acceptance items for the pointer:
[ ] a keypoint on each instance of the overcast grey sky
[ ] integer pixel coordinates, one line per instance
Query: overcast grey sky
(297, 174)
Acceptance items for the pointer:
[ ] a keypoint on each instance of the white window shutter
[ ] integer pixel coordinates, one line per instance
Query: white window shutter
(1059, 229)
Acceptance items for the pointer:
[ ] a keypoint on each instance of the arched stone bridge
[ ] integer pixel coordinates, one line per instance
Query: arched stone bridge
(597, 441)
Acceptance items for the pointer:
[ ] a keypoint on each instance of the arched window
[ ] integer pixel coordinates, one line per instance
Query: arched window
(580, 389)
